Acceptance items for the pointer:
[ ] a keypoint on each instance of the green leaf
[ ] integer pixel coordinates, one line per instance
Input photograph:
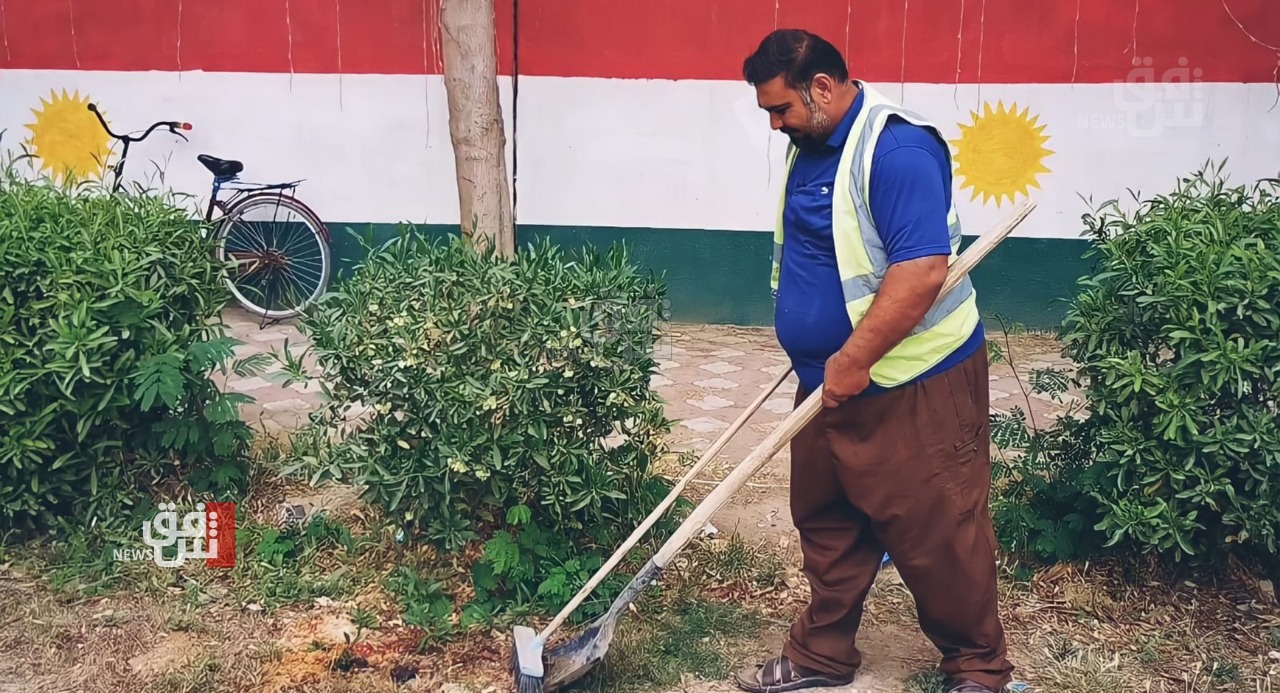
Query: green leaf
(502, 553)
(204, 356)
(252, 365)
(519, 515)
(483, 577)
(159, 380)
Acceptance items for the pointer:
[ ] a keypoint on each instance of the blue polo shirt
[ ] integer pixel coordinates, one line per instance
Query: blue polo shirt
(909, 198)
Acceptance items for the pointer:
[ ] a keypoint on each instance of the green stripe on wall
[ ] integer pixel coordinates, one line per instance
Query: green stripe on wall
(721, 277)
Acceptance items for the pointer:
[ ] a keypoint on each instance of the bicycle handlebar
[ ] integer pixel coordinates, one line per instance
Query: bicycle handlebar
(173, 126)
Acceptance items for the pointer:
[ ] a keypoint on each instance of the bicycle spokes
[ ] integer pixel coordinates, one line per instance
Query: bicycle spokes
(277, 259)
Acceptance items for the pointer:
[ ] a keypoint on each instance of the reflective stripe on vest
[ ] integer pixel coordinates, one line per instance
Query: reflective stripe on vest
(861, 257)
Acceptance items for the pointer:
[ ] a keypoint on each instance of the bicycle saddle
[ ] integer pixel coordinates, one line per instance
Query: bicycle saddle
(223, 168)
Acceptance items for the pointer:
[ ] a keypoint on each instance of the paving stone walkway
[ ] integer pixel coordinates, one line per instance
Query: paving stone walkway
(277, 408)
(707, 374)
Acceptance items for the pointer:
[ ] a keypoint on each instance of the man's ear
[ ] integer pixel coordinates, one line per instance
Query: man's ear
(822, 88)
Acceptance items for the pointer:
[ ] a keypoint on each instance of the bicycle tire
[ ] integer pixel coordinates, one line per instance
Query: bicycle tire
(317, 230)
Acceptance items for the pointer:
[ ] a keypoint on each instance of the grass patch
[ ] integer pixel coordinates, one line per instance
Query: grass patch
(931, 681)
(209, 672)
(1071, 667)
(297, 564)
(276, 567)
(693, 626)
(732, 561)
(687, 637)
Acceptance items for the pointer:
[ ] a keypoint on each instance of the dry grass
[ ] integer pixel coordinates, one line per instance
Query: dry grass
(199, 638)
(1072, 630)
(118, 644)
(1077, 627)
(1086, 630)
(124, 643)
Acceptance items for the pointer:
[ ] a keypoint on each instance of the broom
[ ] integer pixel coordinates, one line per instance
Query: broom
(536, 671)
(528, 651)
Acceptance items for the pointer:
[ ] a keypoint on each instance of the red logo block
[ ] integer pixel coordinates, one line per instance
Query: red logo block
(220, 526)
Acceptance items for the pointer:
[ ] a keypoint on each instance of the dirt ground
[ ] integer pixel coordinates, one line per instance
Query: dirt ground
(1072, 629)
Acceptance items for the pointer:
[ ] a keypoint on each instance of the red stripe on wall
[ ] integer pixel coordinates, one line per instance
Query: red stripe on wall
(945, 41)
(1018, 41)
(301, 36)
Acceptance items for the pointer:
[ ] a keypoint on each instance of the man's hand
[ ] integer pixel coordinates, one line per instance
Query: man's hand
(906, 294)
(843, 378)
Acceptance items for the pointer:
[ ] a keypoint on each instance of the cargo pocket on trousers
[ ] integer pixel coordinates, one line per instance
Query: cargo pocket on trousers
(961, 454)
(961, 465)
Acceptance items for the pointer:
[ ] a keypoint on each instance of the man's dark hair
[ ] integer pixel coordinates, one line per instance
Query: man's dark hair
(797, 56)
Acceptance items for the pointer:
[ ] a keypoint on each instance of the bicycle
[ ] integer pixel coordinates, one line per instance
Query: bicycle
(243, 245)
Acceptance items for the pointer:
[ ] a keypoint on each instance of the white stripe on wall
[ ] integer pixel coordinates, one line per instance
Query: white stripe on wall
(701, 155)
(634, 153)
(373, 148)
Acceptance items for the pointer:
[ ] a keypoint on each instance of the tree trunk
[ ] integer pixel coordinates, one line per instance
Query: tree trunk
(475, 123)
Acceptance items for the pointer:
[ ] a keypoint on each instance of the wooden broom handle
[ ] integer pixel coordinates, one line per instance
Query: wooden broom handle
(799, 418)
(657, 512)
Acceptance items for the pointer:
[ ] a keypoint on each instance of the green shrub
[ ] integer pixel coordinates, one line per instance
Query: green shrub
(108, 334)
(494, 386)
(1038, 503)
(1178, 337)
(1039, 507)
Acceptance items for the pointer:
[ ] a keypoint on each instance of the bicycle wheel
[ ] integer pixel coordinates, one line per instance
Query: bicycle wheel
(277, 252)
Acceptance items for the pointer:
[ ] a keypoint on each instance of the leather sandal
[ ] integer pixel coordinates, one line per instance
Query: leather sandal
(779, 674)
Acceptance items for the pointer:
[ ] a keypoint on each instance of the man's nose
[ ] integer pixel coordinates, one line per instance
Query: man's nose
(775, 121)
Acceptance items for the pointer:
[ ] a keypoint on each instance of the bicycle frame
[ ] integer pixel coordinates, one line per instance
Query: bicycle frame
(219, 182)
(226, 176)
(241, 190)
(127, 140)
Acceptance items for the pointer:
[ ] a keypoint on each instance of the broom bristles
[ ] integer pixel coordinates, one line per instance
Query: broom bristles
(528, 684)
(525, 683)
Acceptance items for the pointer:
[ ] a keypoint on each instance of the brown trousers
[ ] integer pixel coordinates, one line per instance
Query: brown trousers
(907, 471)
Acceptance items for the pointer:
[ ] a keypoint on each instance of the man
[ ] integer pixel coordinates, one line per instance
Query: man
(897, 459)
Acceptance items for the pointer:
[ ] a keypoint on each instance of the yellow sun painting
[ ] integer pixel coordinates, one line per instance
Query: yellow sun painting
(67, 137)
(1001, 153)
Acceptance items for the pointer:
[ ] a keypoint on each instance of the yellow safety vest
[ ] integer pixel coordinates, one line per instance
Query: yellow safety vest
(861, 257)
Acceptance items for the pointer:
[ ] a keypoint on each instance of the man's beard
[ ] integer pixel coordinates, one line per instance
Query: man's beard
(815, 134)
(804, 139)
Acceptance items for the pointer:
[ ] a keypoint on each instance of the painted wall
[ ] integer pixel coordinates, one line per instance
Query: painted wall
(632, 122)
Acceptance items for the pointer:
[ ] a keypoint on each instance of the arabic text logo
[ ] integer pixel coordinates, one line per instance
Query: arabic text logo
(207, 533)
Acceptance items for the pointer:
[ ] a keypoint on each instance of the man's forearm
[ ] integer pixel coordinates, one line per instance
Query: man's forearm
(907, 292)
